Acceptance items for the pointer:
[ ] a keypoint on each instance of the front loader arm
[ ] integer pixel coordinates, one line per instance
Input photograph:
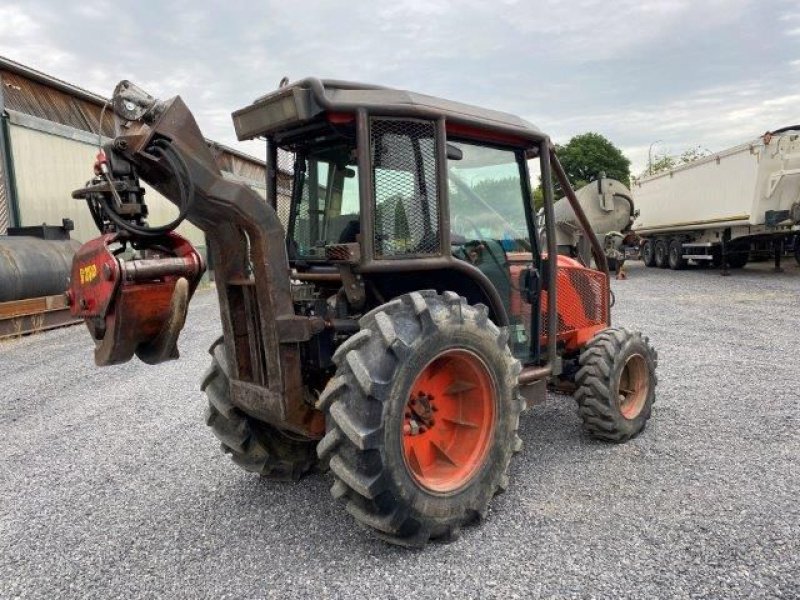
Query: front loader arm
(161, 143)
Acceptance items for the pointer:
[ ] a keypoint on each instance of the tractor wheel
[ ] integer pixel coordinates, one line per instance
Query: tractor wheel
(616, 384)
(675, 256)
(422, 417)
(660, 252)
(253, 445)
(648, 254)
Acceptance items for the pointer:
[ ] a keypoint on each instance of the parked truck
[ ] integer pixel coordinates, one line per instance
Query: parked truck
(608, 207)
(717, 209)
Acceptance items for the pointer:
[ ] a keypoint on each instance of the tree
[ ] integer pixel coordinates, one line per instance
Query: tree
(584, 158)
(588, 155)
(666, 162)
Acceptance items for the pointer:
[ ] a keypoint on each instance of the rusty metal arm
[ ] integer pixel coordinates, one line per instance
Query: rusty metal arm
(533, 374)
(597, 249)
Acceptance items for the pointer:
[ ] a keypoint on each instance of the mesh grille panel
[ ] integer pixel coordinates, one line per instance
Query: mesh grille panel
(405, 187)
(582, 300)
(284, 185)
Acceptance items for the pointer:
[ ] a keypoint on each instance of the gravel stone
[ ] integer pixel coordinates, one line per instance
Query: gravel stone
(112, 486)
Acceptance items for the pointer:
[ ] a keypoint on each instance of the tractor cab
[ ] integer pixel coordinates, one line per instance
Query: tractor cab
(394, 191)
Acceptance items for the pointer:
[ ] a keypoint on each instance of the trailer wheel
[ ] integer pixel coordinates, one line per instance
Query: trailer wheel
(253, 445)
(648, 254)
(675, 257)
(661, 252)
(737, 259)
(616, 384)
(422, 417)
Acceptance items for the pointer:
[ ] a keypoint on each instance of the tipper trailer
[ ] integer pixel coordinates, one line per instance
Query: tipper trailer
(719, 208)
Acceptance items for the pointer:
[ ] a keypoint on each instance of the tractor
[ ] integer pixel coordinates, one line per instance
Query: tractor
(388, 310)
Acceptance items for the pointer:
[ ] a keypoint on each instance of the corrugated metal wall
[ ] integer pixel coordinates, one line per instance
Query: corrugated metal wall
(46, 102)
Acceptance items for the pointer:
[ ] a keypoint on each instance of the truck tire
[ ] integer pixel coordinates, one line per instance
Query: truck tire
(616, 384)
(797, 250)
(675, 256)
(661, 254)
(737, 259)
(253, 445)
(422, 417)
(648, 254)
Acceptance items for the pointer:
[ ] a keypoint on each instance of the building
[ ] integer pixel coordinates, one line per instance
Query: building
(48, 142)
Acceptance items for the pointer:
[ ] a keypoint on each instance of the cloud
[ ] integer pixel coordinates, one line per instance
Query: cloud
(713, 73)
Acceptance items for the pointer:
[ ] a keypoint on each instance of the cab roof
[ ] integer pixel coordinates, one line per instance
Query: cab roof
(307, 98)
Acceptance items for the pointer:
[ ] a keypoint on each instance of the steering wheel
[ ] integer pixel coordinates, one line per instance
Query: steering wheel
(459, 219)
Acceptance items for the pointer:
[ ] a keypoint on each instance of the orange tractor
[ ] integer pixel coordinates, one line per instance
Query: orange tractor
(387, 312)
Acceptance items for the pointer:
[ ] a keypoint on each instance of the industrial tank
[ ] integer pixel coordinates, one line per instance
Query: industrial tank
(32, 267)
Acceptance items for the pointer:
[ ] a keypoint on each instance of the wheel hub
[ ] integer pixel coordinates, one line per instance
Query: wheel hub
(448, 421)
(634, 385)
(419, 414)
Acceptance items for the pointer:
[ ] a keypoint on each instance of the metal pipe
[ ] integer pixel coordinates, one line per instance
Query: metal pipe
(321, 277)
(552, 253)
(530, 375)
(147, 269)
(365, 185)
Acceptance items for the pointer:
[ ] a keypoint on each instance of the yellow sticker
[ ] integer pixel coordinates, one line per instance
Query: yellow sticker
(88, 273)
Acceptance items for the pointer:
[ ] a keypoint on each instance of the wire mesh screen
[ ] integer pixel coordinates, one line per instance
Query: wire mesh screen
(405, 187)
(582, 300)
(284, 185)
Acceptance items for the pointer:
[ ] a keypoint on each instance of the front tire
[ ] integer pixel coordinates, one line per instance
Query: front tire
(253, 445)
(422, 417)
(616, 384)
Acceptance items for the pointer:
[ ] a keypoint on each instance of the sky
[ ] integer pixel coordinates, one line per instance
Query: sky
(673, 74)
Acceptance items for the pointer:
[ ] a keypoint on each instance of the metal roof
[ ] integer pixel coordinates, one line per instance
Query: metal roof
(31, 92)
(335, 95)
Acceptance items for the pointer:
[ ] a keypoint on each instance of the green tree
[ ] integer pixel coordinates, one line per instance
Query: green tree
(588, 155)
(666, 162)
(584, 157)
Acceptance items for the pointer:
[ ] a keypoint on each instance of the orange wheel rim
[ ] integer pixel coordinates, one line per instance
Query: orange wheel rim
(448, 421)
(634, 385)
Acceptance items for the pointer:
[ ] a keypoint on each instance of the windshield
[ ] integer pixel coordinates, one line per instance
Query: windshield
(486, 197)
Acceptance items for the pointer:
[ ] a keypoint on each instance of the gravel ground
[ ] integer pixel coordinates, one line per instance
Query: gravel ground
(113, 487)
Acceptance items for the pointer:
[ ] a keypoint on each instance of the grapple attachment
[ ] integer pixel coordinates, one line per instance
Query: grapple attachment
(135, 306)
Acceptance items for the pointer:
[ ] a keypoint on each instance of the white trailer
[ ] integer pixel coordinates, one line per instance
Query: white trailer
(720, 208)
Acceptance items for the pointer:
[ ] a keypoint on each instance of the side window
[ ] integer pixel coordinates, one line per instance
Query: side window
(405, 187)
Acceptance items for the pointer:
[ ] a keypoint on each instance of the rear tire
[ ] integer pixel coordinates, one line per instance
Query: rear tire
(253, 445)
(648, 254)
(616, 384)
(404, 497)
(661, 252)
(675, 257)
